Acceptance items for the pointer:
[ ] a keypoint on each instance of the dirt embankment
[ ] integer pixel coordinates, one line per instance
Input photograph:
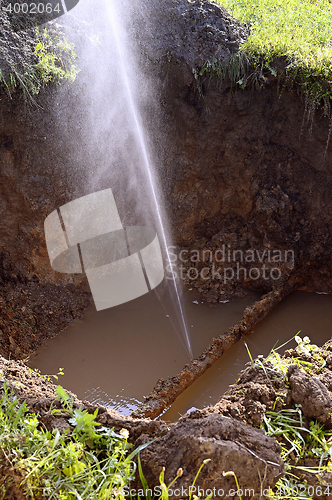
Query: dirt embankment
(244, 170)
(241, 172)
(35, 302)
(231, 444)
(227, 433)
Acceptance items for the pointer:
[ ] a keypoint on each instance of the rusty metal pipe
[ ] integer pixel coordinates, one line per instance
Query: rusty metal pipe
(166, 391)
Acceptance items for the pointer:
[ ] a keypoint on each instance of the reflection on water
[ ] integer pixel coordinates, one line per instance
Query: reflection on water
(115, 357)
(120, 402)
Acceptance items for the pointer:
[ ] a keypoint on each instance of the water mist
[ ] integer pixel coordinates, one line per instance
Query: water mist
(114, 146)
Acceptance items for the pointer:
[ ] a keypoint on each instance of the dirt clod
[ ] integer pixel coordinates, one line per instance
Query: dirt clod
(310, 393)
(231, 445)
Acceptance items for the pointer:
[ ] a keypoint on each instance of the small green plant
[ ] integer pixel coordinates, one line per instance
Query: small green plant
(304, 349)
(54, 62)
(55, 59)
(163, 488)
(91, 462)
(299, 439)
(289, 488)
(287, 426)
(232, 473)
(65, 399)
(298, 443)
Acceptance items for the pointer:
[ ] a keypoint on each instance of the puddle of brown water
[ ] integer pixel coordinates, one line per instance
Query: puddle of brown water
(115, 357)
(309, 312)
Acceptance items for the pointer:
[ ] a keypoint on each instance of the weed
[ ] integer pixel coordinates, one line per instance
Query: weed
(299, 439)
(304, 349)
(232, 473)
(54, 62)
(163, 489)
(45, 377)
(89, 463)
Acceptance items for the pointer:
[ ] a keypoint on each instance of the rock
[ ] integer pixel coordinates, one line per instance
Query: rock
(231, 445)
(310, 393)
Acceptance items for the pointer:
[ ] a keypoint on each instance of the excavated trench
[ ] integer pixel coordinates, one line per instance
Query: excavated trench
(243, 171)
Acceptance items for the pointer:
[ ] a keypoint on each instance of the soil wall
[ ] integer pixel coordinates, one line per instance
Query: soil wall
(249, 173)
(245, 169)
(35, 301)
(239, 168)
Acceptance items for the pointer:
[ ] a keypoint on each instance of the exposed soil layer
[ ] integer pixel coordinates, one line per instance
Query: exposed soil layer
(31, 311)
(256, 391)
(17, 49)
(228, 433)
(189, 32)
(244, 170)
(35, 302)
(246, 179)
(241, 171)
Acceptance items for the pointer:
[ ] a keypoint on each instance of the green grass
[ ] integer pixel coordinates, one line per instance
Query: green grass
(54, 62)
(300, 439)
(299, 442)
(90, 462)
(299, 31)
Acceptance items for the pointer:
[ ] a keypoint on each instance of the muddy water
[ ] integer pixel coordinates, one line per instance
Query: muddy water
(307, 313)
(114, 357)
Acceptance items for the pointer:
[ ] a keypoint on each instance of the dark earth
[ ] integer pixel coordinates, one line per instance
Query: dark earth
(229, 433)
(243, 168)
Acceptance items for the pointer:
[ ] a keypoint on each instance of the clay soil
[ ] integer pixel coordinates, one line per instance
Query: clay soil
(242, 168)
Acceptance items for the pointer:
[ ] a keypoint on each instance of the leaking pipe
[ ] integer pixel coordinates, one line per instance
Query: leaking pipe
(166, 391)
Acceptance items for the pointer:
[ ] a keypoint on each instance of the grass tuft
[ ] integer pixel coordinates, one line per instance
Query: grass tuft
(295, 33)
(54, 62)
(89, 462)
(301, 439)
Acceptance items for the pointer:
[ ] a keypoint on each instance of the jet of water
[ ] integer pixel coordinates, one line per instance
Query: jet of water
(141, 139)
